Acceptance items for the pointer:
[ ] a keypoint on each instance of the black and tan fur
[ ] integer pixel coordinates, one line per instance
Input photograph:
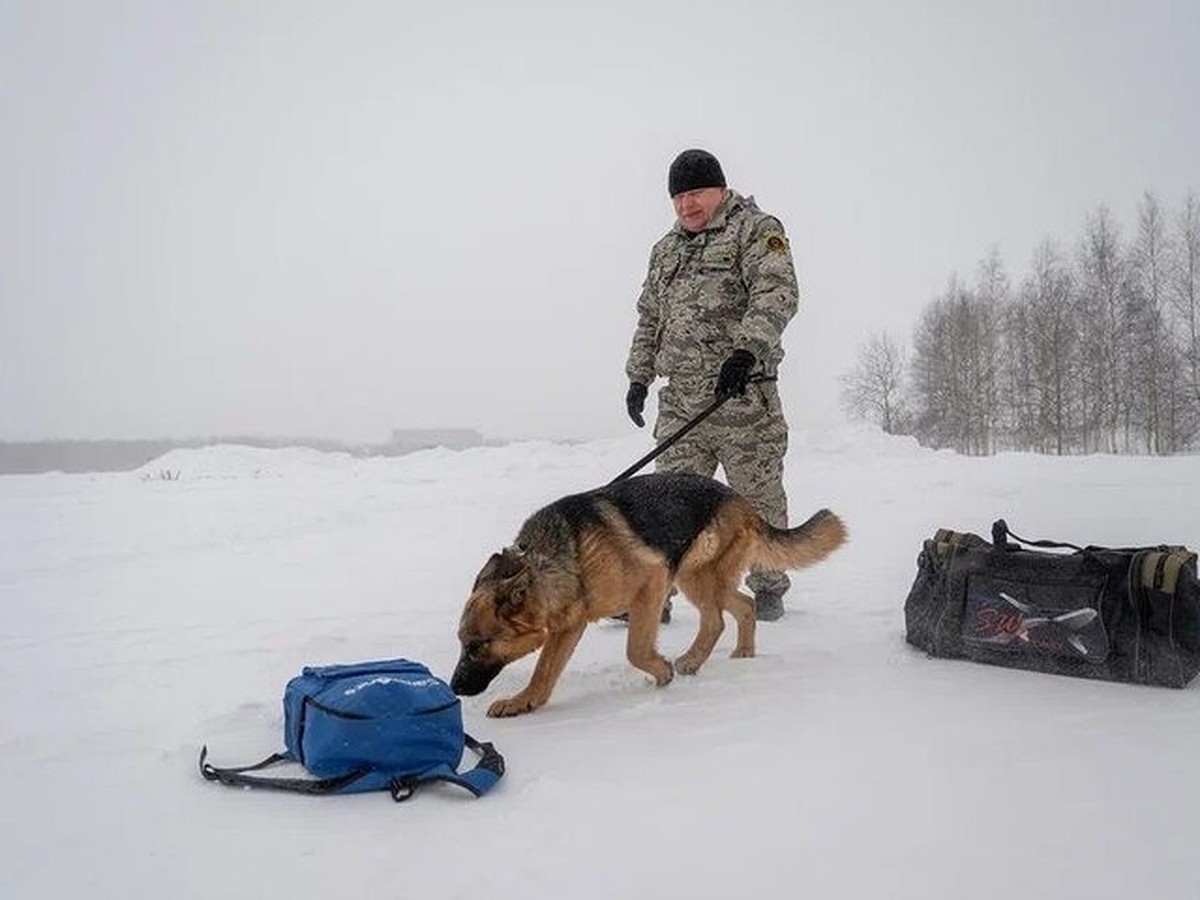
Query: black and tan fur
(619, 549)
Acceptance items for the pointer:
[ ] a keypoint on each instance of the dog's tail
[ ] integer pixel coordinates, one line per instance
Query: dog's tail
(794, 548)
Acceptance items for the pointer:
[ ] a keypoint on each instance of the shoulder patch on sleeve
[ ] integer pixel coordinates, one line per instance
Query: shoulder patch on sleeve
(776, 242)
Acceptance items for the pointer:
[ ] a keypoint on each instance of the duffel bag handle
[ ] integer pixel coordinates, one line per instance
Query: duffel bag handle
(1001, 534)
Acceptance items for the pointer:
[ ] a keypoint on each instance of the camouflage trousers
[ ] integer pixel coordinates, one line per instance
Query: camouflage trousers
(747, 437)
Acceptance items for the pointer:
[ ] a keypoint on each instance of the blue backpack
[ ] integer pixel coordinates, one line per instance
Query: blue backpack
(388, 725)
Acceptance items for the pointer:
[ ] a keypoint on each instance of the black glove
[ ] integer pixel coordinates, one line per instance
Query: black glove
(635, 402)
(735, 374)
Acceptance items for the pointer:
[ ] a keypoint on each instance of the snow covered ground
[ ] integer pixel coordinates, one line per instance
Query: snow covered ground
(144, 616)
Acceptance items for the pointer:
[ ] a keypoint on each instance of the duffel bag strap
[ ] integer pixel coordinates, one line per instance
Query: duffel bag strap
(237, 777)
(946, 543)
(478, 780)
(1001, 534)
(1160, 568)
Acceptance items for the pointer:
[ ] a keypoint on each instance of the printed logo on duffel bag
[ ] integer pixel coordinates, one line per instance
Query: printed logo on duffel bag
(1060, 620)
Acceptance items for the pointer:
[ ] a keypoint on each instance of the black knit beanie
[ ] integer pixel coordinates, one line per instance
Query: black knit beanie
(692, 170)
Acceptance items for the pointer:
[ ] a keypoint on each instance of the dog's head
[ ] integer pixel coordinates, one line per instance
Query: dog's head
(504, 619)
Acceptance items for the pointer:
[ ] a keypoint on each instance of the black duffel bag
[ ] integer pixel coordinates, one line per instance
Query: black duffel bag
(1129, 614)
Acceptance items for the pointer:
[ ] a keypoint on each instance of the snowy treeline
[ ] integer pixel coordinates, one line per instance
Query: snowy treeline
(1096, 349)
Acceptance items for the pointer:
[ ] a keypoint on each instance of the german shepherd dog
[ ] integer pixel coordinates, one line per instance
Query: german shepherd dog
(619, 549)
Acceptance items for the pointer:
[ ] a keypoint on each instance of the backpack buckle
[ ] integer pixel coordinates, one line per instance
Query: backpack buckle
(403, 788)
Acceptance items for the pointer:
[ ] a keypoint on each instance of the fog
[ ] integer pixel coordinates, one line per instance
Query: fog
(336, 220)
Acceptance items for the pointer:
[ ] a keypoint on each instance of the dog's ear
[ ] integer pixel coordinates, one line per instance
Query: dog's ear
(488, 572)
(515, 576)
(503, 566)
(512, 563)
(510, 573)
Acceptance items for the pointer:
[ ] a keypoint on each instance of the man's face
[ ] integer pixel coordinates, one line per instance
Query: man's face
(695, 208)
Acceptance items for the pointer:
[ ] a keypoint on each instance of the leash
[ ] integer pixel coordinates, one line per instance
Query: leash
(687, 426)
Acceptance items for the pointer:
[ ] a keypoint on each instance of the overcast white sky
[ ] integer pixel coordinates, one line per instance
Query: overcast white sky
(336, 219)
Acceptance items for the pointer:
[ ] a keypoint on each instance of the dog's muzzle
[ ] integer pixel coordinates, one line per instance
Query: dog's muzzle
(472, 677)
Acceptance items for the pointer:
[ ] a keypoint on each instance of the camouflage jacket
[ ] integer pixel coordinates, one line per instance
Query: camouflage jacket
(730, 286)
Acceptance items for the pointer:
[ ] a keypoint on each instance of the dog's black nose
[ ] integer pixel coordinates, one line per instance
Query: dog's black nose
(470, 678)
(465, 688)
(461, 683)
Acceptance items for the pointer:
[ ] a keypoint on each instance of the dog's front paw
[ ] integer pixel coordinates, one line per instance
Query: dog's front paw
(688, 664)
(663, 673)
(512, 706)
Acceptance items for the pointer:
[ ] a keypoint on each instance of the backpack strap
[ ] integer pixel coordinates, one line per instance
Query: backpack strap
(237, 777)
(478, 780)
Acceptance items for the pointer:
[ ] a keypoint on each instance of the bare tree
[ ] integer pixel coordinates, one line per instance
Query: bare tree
(1102, 354)
(1050, 352)
(1184, 293)
(954, 375)
(874, 389)
(1151, 356)
(1185, 289)
(988, 304)
(1101, 312)
(1018, 415)
(937, 393)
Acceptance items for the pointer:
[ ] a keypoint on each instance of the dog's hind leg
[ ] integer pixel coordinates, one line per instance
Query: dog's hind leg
(699, 589)
(726, 573)
(741, 607)
(551, 661)
(640, 646)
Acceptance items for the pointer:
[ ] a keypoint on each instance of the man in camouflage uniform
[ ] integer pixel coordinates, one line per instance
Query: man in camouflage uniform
(720, 290)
